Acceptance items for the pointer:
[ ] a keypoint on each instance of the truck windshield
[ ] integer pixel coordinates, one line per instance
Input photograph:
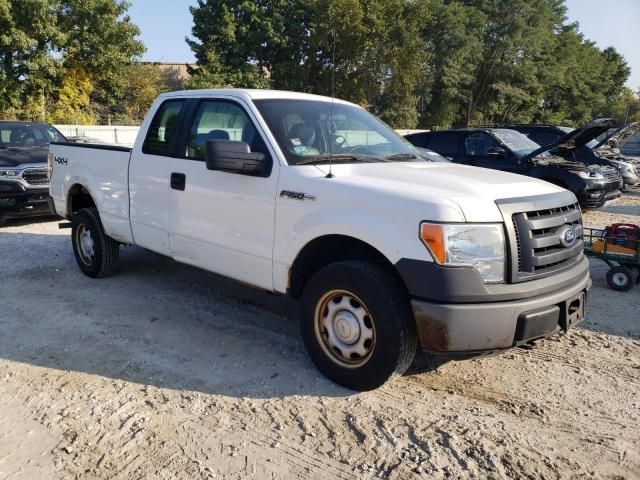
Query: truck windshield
(517, 142)
(312, 131)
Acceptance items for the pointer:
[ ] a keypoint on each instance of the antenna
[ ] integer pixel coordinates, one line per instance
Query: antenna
(333, 92)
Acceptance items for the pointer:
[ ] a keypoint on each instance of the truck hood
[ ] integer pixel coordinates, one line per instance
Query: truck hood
(472, 190)
(14, 156)
(575, 139)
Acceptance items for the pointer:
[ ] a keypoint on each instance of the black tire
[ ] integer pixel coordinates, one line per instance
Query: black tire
(621, 278)
(106, 252)
(387, 314)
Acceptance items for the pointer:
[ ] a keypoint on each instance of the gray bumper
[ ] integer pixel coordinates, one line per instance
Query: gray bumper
(481, 327)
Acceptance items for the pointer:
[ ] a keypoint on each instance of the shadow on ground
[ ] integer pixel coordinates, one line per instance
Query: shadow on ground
(633, 210)
(155, 322)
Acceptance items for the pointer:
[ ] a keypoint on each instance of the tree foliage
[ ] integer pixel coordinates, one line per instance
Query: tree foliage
(433, 62)
(369, 52)
(50, 47)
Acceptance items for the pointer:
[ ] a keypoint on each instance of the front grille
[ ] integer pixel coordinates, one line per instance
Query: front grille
(36, 176)
(536, 229)
(610, 174)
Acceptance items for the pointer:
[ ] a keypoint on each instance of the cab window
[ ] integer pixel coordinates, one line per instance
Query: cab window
(221, 120)
(163, 129)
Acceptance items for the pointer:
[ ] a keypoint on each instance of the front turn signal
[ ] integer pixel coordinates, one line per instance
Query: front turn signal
(432, 235)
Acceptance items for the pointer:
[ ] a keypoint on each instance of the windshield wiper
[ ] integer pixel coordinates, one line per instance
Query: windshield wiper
(339, 159)
(398, 157)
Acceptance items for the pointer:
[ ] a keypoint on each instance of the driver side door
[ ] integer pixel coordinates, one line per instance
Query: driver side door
(222, 221)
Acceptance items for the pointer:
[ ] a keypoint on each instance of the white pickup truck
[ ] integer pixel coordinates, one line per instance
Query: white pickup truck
(382, 250)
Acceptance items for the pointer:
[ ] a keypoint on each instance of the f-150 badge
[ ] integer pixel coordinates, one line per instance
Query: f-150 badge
(296, 195)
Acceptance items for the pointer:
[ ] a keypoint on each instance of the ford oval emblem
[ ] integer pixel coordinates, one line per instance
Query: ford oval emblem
(567, 236)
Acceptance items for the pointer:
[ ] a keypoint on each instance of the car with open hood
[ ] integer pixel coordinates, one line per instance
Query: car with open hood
(612, 146)
(589, 144)
(24, 181)
(509, 150)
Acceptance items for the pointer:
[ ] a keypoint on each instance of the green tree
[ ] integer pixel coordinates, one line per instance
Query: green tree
(28, 73)
(42, 39)
(73, 103)
(144, 83)
(370, 51)
(99, 36)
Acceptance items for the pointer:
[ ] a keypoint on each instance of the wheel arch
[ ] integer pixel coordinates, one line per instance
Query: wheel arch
(332, 248)
(78, 197)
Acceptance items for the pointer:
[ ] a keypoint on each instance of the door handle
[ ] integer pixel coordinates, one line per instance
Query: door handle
(178, 181)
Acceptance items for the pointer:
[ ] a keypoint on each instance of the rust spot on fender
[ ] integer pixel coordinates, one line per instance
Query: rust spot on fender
(432, 334)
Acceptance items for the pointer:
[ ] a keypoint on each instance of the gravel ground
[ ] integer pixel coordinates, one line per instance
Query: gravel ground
(168, 372)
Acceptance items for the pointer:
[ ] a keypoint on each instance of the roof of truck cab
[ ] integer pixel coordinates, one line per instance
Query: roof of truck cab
(252, 94)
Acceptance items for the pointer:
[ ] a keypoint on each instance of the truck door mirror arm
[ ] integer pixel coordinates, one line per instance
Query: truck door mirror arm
(234, 157)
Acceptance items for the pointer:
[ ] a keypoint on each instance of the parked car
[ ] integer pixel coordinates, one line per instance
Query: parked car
(594, 151)
(630, 144)
(512, 151)
(614, 145)
(380, 250)
(24, 182)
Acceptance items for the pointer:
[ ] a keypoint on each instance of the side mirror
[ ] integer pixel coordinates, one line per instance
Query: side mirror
(497, 151)
(234, 157)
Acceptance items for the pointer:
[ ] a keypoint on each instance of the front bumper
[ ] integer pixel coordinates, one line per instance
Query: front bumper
(475, 328)
(596, 194)
(23, 203)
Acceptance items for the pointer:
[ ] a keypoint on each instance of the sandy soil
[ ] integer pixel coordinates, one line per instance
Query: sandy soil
(168, 372)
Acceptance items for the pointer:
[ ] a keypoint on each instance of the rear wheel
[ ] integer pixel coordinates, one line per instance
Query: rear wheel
(357, 324)
(621, 278)
(96, 253)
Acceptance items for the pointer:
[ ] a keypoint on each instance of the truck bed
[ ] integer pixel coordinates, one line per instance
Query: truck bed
(101, 169)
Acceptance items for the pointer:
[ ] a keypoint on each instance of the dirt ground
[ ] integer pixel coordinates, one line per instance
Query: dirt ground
(168, 372)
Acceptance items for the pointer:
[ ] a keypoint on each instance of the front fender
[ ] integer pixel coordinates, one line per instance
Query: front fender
(395, 238)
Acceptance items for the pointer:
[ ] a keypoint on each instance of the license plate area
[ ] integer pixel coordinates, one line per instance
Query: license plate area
(573, 311)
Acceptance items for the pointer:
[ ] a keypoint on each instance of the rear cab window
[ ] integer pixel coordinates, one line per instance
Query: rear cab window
(164, 129)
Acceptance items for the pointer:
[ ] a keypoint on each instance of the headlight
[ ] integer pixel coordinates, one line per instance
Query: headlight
(480, 246)
(625, 167)
(585, 174)
(9, 173)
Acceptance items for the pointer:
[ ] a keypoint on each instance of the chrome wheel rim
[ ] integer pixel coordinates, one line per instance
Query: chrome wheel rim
(344, 328)
(85, 245)
(619, 279)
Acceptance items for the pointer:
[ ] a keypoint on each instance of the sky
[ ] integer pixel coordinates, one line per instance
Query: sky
(615, 23)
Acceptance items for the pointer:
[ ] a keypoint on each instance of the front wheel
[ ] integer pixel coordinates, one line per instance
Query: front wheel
(96, 253)
(357, 325)
(621, 278)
